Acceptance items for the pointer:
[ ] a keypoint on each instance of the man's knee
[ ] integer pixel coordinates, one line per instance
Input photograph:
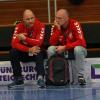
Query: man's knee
(80, 51)
(13, 53)
(51, 51)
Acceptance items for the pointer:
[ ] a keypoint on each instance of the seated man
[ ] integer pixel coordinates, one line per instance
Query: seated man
(66, 36)
(27, 44)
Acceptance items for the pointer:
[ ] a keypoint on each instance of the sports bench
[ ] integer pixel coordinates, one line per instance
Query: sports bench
(91, 31)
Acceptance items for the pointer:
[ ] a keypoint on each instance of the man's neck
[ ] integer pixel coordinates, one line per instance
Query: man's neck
(65, 26)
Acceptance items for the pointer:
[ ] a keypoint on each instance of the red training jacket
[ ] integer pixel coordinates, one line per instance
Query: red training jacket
(35, 36)
(74, 35)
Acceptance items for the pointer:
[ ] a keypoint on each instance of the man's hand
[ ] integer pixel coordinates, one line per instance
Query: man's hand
(34, 50)
(60, 49)
(56, 24)
(21, 36)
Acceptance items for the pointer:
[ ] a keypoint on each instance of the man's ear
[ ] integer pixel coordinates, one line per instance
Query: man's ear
(16, 22)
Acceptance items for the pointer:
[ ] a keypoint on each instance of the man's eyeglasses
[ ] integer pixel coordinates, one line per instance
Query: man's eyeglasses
(59, 18)
(27, 19)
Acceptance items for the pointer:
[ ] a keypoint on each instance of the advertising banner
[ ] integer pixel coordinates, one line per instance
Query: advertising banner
(6, 72)
(92, 71)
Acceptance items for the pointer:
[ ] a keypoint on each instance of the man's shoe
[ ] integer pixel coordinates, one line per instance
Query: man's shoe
(81, 80)
(40, 82)
(15, 84)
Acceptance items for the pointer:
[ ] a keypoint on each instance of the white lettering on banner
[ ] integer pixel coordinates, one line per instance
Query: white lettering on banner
(6, 72)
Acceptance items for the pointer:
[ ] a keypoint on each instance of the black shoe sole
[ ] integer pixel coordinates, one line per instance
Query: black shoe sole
(82, 82)
(16, 86)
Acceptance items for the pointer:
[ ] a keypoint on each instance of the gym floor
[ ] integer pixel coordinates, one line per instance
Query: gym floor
(69, 92)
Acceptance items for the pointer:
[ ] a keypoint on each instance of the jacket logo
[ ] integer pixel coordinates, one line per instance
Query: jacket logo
(78, 29)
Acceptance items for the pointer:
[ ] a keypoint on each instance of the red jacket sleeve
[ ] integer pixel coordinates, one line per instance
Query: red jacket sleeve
(18, 45)
(55, 33)
(16, 42)
(78, 35)
(40, 31)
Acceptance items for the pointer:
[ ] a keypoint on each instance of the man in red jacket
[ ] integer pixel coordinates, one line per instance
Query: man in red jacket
(27, 44)
(67, 36)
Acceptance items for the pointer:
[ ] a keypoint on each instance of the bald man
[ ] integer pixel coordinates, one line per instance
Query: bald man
(67, 38)
(27, 44)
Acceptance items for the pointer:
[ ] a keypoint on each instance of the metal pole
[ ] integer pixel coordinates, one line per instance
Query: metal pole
(55, 6)
(49, 14)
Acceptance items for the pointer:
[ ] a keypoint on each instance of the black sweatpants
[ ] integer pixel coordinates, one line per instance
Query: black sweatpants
(16, 56)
